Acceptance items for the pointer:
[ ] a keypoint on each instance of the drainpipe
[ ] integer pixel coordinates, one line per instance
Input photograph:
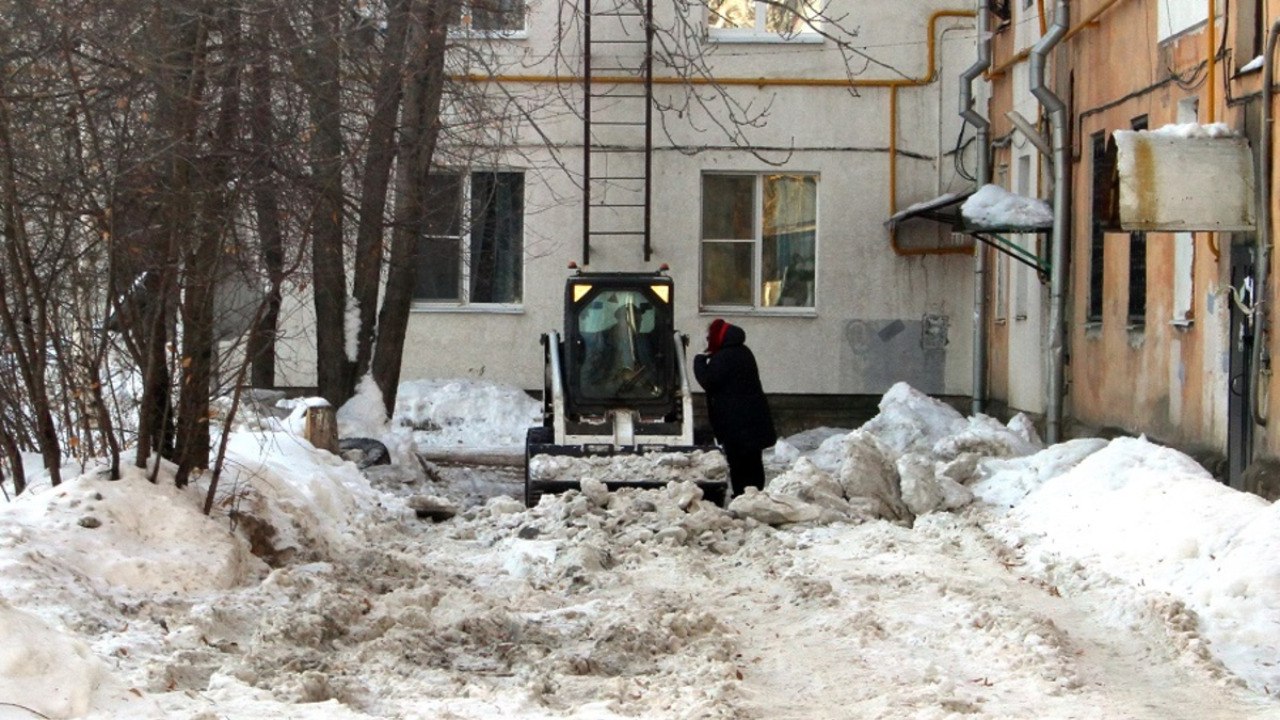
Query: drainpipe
(983, 177)
(1056, 111)
(1261, 358)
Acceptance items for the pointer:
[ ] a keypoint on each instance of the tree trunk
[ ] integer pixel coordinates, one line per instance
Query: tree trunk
(421, 123)
(261, 347)
(373, 192)
(203, 265)
(28, 328)
(329, 280)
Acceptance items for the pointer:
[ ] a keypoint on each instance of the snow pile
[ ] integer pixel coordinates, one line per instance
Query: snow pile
(454, 413)
(995, 207)
(915, 457)
(926, 565)
(1152, 516)
(1193, 130)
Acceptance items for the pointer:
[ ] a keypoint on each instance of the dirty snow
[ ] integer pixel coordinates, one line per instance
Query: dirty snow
(926, 565)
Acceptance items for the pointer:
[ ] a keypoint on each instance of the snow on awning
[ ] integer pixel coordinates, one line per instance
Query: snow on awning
(990, 209)
(994, 209)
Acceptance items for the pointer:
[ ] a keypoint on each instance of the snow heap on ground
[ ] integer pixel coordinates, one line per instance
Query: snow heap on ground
(880, 574)
(913, 458)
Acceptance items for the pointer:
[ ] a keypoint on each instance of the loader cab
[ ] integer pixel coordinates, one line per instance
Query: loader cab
(619, 344)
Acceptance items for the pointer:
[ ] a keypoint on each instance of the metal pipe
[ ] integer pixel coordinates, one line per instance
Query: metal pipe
(1260, 366)
(983, 176)
(1211, 59)
(1056, 110)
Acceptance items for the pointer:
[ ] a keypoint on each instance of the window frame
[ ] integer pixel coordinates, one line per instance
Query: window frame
(1097, 237)
(465, 29)
(757, 246)
(464, 238)
(1137, 291)
(811, 34)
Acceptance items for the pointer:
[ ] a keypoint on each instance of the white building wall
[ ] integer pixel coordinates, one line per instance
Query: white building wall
(879, 317)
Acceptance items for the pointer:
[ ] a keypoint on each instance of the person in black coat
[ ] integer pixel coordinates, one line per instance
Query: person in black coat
(736, 404)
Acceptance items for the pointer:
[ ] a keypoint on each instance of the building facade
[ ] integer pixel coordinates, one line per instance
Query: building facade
(1165, 322)
(782, 140)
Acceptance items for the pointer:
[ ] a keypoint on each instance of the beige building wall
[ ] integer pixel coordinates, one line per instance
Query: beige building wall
(1167, 373)
(879, 317)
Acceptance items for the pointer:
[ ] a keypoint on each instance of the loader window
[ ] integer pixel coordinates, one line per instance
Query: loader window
(620, 336)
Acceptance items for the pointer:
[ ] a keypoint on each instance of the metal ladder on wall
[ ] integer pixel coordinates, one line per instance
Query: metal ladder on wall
(617, 123)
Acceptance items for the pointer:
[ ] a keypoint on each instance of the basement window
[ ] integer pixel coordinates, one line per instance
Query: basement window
(759, 241)
(764, 20)
(472, 251)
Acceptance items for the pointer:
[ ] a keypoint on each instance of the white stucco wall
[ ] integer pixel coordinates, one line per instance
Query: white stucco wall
(866, 331)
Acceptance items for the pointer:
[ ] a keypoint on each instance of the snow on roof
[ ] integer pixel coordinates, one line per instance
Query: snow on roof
(1191, 130)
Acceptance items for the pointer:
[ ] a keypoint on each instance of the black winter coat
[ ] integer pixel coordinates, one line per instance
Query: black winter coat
(736, 403)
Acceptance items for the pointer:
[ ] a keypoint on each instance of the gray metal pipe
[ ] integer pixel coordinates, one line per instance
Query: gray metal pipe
(1262, 358)
(1056, 110)
(983, 176)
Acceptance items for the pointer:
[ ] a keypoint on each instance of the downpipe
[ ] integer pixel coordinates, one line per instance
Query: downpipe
(983, 176)
(1260, 367)
(1055, 110)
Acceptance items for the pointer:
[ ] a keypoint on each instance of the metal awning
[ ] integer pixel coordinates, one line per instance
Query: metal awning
(944, 209)
(948, 209)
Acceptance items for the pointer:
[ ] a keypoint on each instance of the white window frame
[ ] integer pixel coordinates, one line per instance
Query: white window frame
(464, 303)
(1178, 16)
(757, 243)
(759, 34)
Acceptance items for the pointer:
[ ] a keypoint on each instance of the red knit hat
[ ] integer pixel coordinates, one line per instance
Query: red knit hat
(715, 334)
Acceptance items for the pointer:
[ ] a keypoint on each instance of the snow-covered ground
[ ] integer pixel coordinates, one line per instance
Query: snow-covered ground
(926, 565)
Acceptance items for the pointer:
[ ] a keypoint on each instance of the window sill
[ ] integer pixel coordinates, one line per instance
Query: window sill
(758, 312)
(459, 308)
(1183, 324)
(751, 37)
(489, 35)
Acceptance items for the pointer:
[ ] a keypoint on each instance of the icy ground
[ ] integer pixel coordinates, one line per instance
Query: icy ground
(924, 566)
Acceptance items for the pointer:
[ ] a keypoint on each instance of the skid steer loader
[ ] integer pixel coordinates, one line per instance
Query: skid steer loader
(616, 386)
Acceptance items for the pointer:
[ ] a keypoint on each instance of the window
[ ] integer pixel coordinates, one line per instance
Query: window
(1101, 200)
(1138, 261)
(491, 18)
(1251, 32)
(764, 19)
(999, 259)
(488, 268)
(759, 240)
(1184, 245)
(1177, 16)
(1022, 274)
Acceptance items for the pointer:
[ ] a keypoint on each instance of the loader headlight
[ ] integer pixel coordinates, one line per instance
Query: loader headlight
(579, 291)
(662, 291)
